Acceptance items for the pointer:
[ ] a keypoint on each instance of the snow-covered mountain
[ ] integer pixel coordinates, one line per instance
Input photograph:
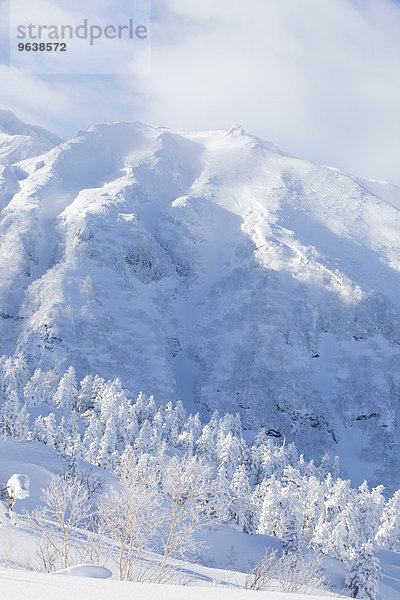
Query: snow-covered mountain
(212, 267)
(19, 140)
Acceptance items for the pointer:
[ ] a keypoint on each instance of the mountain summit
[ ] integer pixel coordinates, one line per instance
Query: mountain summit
(19, 140)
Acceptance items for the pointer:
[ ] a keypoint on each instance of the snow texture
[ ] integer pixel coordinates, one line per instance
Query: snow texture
(37, 586)
(91, 571)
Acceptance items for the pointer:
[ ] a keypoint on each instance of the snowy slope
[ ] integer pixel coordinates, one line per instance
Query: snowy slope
(36, 586)
(212, 267)
(227, 555)
(17, 142)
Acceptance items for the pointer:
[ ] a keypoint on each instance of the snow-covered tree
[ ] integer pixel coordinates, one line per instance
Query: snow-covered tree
(220, 496)
(73, 445)
(270, 514)
(97, 390)
(107, 455)
(186, 442)
(150, 410)
(193, 425)
(50, 385)
(186, 490)
(143, 442)
(92, 436)
(292, 539)
(14, 419)
(241, 506)
(64, 510)
(50, 425)
(369, 505)
(336, 532)
(206, 445)
(39, 430)
(34, 391)
(131, 517)
(388, 534)
(330, 465)
(67, 394)
(85, 395)
(363, 573)
(140, 408)
(230, 452)
(312, 498)
(254, 464)
(273, 460)
(60, 438)
(126, 462)
(15, 375)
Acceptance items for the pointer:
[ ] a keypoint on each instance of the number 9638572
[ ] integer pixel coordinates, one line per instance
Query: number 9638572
(43, 47)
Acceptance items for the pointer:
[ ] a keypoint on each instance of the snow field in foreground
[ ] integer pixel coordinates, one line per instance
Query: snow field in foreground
(38, 586)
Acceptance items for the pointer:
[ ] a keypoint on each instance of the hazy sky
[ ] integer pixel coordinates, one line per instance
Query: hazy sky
(319, 78)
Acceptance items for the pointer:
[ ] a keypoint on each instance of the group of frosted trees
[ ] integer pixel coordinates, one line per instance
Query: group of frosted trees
(260, 487)
(161, 505)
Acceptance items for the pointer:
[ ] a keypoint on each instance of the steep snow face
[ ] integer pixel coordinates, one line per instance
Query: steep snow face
(19, 140)
(212, 267)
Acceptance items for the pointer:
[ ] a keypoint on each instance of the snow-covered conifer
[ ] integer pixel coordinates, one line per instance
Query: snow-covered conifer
(230, 451)
(92, 436)
(97, 390)
(73, 438)
(388, 534)
(15, 375)
(50, 424)
(140, 407)
(292, 539)
(254, 465)
(186, 442)
(330, 465)
(39, 430)
(312, 498)
(34, 389)
(180, 415)
(230, 424)
(363, 573)
(337, 530)
(126, 463)
(143, 442)
(60, 438)
(150, 410)
(67, 394)
(13, 417)
(221, 495)
(270, 514)
(131, 428)
(10, 382)
(193, 425)
(85, 395)
(107, 455)
(50, 385)
(369, 508)
(241, 507)
(206, 445)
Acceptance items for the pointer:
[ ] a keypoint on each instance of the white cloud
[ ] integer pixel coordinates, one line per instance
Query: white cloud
(317, 77)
